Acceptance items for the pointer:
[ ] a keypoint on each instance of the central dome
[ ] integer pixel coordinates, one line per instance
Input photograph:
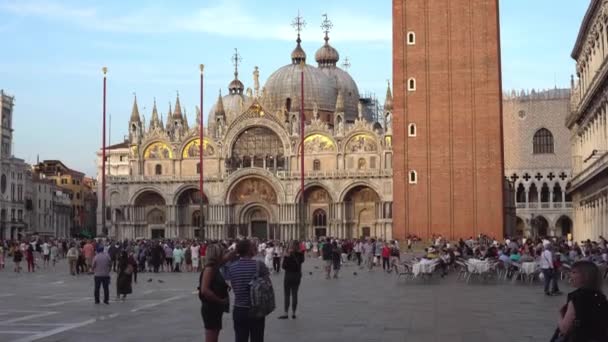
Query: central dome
(283, 89)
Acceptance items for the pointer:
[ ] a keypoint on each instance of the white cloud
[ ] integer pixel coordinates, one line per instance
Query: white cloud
(225, 18)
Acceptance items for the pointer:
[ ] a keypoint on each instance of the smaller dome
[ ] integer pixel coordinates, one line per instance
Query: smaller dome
(236, 86)
(327, 55)
(298, 55)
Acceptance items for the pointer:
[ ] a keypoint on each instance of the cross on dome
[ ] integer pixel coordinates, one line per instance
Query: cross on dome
(236, 60)
(346, 64)
(299, 24)
(326, 25)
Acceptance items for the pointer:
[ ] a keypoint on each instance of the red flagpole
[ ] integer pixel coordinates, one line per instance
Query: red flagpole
(200, 154)
(302, 119)
(103, 159)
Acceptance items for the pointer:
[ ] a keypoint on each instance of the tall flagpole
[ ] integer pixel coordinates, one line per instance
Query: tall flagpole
(103, 159)
(302, 119)
(200, 155)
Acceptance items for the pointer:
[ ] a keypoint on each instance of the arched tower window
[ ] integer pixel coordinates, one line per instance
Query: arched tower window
(411, 84)
(411, 38)
(413, 177)
(198, 168)
(543, 141)
(316, 165)
(158, 169)
(411, 131)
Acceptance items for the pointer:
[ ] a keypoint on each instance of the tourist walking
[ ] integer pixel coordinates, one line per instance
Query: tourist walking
(17, 257)
(326, 251)
(195, 251)
(101, 267)
(246, 327)
(213, 292)
(549, 272)
(292, 264)
(88, 250)
(336, 256)
(156, 257)
(584, 317)
(126, 269)
(29, 257)
(178, 257)
(72, 256)
(46, 254)
(54, 253)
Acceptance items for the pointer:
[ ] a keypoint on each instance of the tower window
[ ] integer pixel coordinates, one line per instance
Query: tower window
(198, 168)
(411, 131)
(316, 165)
(411, 84)
(158, 170)
(413, 177)
(411, 38)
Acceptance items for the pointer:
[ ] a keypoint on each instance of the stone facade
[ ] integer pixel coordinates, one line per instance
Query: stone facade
(251, 165)
(588, 125)
(448, 166)
(538, 174)
(14, 180)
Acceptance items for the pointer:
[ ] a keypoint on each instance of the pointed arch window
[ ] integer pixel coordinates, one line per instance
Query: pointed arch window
(319, 218)
(413, 177)
(411, 84)
(543, 141)
(158, 169)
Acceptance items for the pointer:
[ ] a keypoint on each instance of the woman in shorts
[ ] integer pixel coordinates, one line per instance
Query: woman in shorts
(213, 292)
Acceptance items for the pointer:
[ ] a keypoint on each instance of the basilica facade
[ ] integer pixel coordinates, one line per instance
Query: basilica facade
(251, 163)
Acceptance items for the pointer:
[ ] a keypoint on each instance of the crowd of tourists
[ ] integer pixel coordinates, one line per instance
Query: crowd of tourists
(237, 264)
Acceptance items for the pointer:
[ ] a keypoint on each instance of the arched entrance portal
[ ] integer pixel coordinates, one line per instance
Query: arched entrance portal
(520, 227)
(254, 199)
(189, 213)
(317, 201)
(257, 223)
(540, 226)
(361, 208)
(563, 226)
(154, 209)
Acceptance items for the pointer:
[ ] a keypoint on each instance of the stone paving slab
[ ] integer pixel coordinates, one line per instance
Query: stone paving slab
(369, 306)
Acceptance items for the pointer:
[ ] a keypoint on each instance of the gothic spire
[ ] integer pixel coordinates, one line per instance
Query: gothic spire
(177, 114)
(135, 110)
(161, 124)
(219, 108)
(154, 123)
(388, 102)
(186, 120)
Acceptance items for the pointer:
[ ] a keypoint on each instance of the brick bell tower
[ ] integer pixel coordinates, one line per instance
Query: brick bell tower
(447, 142)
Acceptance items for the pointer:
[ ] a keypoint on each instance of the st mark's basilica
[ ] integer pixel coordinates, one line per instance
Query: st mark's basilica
(251, 161)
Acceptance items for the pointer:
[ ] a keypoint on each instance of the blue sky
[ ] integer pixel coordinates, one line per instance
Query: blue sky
(54, 51)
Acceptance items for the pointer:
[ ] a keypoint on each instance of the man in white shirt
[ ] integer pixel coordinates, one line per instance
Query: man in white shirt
(549, 272)
(46, 253)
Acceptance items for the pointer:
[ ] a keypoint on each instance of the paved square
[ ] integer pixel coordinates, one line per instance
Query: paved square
(368, 306)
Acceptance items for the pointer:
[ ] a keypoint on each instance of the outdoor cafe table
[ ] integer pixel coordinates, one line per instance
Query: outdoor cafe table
(424, 266)
(478, 266)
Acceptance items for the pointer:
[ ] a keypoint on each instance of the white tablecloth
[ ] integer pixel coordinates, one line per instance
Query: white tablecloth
(528, 268)
(478, 266)
(425, 266)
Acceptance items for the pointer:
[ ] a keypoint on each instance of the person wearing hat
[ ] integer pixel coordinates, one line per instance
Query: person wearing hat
(101, 266)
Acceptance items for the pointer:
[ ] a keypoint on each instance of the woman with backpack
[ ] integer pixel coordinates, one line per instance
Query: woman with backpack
(584, 317)
(213, 292)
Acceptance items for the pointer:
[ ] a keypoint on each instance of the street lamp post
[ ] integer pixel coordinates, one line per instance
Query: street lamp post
(200, 153)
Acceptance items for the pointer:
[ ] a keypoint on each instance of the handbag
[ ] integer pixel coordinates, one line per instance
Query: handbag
(129, 269)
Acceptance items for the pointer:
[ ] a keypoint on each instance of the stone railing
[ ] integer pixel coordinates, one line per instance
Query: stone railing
(282, 175)
(543, 205)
